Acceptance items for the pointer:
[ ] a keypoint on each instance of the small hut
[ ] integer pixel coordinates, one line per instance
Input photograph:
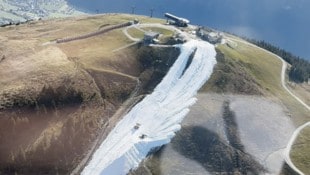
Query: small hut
(149, 37)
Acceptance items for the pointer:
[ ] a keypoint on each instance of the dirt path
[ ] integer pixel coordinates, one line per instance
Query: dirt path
(300, 128)
(140, 26)
(126, 46)
(125, 31)
(289, 147)
(284, 66)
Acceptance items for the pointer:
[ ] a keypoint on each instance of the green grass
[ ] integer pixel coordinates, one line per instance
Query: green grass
(135, 33)
(266, 69)
(162, 31)
(260, 64)
(140, 34)
(231, 76)
(301, 146)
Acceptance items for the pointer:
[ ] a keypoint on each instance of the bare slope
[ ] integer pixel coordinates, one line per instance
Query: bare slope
(56, 99)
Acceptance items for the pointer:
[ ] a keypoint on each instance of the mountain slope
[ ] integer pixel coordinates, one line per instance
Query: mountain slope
(264, 117)
(60, 100)
(57, 99)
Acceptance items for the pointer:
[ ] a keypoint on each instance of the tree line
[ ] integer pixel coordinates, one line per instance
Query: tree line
(300, 68)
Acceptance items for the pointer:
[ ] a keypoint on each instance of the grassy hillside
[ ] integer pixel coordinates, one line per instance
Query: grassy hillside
(266, 70)
(241, 69)
(299, 149)
(231, 76)
(301, 90)
(56, 99)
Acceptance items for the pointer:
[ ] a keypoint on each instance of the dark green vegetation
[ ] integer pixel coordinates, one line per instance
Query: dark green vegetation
(156, 61)
(300, 70)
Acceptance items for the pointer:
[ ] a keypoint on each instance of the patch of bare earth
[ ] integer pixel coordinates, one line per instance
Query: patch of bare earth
(58, 100)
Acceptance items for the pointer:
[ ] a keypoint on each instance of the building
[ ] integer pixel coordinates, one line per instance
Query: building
(181, 22)
(150, 37)
(214, 37)
(210, 36)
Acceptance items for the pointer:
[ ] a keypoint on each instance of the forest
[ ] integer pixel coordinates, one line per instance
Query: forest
(300, 68)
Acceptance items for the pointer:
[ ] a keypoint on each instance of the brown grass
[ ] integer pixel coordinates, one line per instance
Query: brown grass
(43, 130)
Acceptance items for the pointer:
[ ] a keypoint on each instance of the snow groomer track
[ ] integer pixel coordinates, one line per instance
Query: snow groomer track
(154, 121)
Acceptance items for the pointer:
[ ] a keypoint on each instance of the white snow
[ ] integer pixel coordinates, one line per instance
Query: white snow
(159, 114)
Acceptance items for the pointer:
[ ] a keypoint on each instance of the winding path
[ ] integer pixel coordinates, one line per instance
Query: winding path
(284, 66)
(300, 128)
(288, 148)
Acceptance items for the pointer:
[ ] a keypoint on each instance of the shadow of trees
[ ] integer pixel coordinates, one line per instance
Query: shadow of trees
(217, 155)
(212, 152)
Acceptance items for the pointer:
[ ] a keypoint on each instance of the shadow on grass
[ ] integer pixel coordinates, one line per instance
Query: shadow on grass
(287, 170)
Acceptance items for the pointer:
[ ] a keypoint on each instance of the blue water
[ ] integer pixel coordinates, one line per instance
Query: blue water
(285, 23)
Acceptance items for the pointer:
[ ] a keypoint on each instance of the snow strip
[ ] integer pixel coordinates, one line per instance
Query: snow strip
(159, 114)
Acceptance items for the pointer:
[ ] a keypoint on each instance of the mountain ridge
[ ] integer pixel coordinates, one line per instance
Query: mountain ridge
(89, 69)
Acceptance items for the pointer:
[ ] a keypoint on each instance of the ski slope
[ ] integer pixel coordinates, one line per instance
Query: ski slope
(159, 114)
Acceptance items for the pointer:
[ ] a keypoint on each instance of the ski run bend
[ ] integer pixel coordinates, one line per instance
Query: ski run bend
(158, 114)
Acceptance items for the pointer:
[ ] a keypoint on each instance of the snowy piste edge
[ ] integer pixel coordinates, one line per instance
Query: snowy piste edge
(159, 114)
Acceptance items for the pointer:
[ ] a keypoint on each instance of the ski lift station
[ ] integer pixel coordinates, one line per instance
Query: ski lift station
(181, 22)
